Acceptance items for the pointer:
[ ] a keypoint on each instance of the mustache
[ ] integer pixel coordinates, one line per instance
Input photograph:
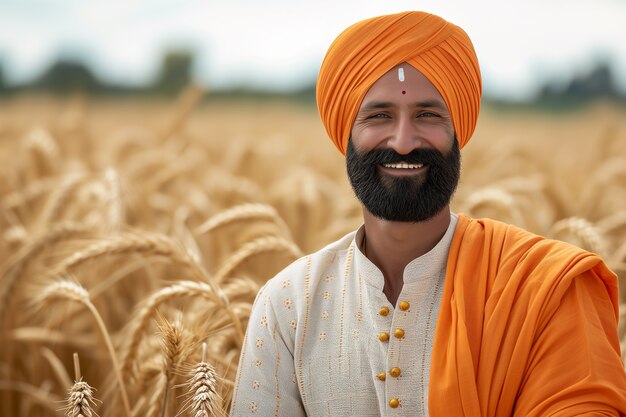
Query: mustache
(417, 156)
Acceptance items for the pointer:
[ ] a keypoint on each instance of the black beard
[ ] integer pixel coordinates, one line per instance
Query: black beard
(404, 199)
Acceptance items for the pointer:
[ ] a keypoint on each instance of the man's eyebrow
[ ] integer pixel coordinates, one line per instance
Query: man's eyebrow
(376, 105)
(379, 105)
(431, 103)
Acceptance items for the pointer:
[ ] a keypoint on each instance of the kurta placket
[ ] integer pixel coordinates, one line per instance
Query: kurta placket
(408, 328)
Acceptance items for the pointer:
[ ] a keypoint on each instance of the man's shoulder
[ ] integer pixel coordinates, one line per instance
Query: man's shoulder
(512, 237)
(311, 266)
(529, 253)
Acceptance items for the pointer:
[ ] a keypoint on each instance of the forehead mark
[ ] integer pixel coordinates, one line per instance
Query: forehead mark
(401, 74)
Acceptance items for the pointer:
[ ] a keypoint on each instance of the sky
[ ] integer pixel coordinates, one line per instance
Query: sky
(281, 43)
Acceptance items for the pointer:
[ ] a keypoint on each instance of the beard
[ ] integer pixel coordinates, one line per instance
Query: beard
(414, 198)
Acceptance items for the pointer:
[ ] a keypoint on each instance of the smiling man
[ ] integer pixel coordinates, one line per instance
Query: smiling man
(423, 312)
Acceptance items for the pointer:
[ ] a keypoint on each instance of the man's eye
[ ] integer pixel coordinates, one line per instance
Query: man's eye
(427, 114)
(378, 116)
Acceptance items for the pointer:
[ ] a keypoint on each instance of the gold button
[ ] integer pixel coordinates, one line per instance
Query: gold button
(382, 376)
(394, 402)
(404, 305)
(383, 336)
(394, 372)
(399, 333)
(383, 311)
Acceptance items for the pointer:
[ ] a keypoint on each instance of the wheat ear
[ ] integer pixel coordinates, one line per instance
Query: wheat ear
(584, 231)
(153, 244)
(495, 197)
(59, 197)
(172, 343)
(203, 399)
(115, 213)
(142, 318)
(255, 247)
(13, 272)
(80, 400)
(71, 291)
(44, 151)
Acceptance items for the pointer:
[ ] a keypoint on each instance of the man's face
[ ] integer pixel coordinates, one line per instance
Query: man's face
(403, 160)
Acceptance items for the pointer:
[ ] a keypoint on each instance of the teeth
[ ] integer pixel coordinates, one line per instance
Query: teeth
(403, 165)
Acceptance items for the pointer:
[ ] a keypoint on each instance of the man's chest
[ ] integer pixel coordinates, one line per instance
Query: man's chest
(356, 354)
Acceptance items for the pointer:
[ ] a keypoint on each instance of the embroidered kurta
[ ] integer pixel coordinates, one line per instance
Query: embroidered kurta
(522, 326)
(324, 339)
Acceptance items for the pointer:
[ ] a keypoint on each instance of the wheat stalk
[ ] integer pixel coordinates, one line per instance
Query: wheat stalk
(257, 246)
(54, 337)
(67, 290)
(243, 212)
(185, 235)
(57, 367)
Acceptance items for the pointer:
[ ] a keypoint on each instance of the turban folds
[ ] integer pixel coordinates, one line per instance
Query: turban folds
(365, 51)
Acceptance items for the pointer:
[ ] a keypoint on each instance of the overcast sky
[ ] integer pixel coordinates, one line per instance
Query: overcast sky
(281, 43)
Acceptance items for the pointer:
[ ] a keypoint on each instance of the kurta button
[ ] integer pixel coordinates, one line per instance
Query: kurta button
(383, 311)
(394, 402)
(382, 376)
(404, 305)
(399, 333)
(383, 336)
(394, 372)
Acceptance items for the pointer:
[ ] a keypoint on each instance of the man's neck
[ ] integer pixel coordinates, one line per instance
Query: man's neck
(392, 245)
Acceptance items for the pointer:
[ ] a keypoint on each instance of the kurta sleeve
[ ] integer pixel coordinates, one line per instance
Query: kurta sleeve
(575, 366)
(265, 384)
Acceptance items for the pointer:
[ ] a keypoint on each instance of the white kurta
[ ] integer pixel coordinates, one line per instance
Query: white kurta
(320, 344)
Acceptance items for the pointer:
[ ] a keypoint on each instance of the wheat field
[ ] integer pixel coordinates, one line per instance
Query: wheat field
(137, 233)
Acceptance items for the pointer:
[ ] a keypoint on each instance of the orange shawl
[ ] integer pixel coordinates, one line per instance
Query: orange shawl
(527, 327)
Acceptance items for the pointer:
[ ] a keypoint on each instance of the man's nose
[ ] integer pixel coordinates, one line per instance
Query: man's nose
(404, 138)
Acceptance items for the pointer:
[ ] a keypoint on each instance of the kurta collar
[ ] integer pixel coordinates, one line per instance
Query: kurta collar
(429, 265)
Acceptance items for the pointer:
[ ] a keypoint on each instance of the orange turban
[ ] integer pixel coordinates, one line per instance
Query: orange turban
(368, 49)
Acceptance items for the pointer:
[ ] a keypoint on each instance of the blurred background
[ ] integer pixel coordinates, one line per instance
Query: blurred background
(161, 159)
(531, 52)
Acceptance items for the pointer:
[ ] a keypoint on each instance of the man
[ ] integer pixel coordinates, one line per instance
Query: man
(421, 311)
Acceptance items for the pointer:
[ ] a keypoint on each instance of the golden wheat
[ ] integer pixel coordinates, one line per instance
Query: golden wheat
(203, 399)
(80, 400)
(68, 290)
(143, 316)
(125, 195)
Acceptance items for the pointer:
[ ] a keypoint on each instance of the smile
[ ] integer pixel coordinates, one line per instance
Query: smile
(403, 165)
